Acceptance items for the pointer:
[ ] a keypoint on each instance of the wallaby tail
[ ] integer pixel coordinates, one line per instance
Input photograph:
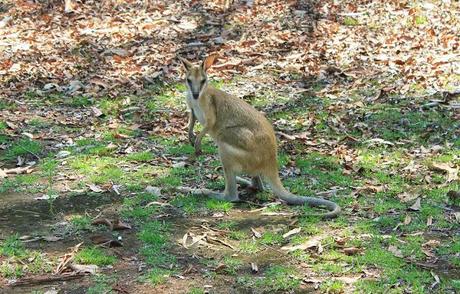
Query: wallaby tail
(279, 190)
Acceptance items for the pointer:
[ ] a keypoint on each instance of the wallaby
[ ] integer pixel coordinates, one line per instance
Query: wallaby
(245, 139)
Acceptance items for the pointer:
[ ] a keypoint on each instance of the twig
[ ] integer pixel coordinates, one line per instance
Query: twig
(46, 279)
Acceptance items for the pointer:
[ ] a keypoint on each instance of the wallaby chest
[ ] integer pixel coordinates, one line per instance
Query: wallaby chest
(197, 110)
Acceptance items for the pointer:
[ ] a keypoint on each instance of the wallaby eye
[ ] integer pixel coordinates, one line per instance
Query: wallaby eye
(202, 82)
(189, 81)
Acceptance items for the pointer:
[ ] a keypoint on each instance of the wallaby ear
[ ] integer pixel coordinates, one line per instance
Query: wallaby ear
(187, 64)
(209, 61)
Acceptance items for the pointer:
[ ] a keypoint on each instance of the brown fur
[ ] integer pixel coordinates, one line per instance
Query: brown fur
(245, 139)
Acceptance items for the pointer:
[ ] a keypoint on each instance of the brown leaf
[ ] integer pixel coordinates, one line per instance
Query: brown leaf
(416, 206)
(85, 268)
(406, 196)
(429, 221)
(256, 233)
(95, 188)
(313, 242)
(52, 238)
(431, 243)
(292, 232)
(396, 252)
(351, 250)
(220, 268)
(452, 173)
(11, 125)
(103, 221)
(407, 219)
(121, 136)
(96, 111)
(119, 225)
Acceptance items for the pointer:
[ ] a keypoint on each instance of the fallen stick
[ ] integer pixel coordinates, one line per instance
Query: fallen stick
(46, 279)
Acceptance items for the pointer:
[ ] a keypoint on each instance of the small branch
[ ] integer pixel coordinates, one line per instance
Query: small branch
(46, 279)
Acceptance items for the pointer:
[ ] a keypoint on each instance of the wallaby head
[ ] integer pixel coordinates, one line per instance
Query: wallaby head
(196, 77)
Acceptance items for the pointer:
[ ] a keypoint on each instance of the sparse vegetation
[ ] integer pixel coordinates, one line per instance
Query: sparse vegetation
(93, 126)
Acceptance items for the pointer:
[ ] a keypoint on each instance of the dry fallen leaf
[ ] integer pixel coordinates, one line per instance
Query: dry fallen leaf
(396, 252)
(52, 238)
(95, 188)
(431, 243)
(96, 111)
(416, 206)
(103, 221)
(313, 242)
(407, 219)
(452, 173)
(351, 250)
(119, 225)
(407, 197)
(292, 232)
(256, 233)
(429, 221)
(85, 268)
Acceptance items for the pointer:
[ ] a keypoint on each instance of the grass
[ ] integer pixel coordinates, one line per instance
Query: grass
(20, 261)
(101, 284)
(144, 156)
(12, 247)
(371, 220)
(94, 255)
(276, 278)
(81, 223)
(350, 21)
(158, 276)
(270, 239)
(22, 147)
(333, 287)
(218, 205)
(155, 243)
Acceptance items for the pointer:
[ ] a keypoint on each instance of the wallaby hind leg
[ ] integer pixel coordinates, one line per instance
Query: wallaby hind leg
(231, 190)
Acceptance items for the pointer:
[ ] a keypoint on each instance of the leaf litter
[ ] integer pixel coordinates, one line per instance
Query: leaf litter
(97, 50)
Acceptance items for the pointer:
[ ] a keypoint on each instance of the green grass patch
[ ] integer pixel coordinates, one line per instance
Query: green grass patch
(248, 247)
(232, 265)
(81, 223)
(188, 203)
(270, 238)
(157, 276)
(22, 147)
(143, 156)
(154, 236)
(218, 205)
(94, 255)
(21, 183)
(277, 278)
(350, 21)
(135, 207)
(12, 247)
(101, 284)
(333, 287)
